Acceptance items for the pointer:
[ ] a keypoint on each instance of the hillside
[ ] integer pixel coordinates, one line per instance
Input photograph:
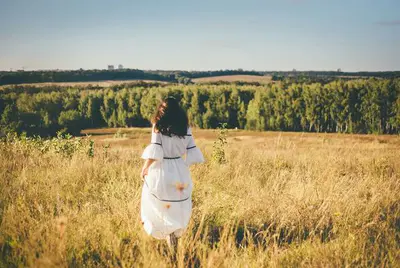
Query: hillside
(179, 76)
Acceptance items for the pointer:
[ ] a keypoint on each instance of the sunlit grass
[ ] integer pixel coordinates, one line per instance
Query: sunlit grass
(286, 199)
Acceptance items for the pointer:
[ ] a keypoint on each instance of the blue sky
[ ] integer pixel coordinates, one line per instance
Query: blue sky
(354, 35)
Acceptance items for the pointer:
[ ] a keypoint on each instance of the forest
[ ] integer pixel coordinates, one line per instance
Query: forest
(355, 106)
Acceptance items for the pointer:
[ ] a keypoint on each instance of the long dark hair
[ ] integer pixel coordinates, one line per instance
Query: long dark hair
(170, 119)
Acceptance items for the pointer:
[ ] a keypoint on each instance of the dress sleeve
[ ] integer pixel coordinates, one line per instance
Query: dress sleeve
(193, 153)
(154, 150)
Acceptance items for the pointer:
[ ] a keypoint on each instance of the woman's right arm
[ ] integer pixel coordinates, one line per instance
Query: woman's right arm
(193, 153)
(153, 152)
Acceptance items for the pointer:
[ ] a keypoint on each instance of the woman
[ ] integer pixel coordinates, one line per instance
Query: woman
(166, 196)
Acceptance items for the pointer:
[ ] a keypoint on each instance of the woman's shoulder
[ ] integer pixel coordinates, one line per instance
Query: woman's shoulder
(156, 131)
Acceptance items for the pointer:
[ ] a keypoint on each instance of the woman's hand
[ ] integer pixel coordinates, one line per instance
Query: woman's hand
(145, 171)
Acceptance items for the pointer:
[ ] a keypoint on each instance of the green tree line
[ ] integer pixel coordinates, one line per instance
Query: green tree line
(175, 76)
(355, 106)
(182, 77)
(20, 77)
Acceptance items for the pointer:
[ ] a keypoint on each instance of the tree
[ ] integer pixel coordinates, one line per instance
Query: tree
(71, 122)
(10, 121)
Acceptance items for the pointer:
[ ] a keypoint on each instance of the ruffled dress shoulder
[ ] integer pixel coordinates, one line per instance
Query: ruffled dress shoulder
(154, 150)
(193, 153)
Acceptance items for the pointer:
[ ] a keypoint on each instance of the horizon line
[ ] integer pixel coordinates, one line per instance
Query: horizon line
(183, 70)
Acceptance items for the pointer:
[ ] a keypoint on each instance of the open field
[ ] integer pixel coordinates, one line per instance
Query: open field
(282, 200)
(122, 137)
(235, 78)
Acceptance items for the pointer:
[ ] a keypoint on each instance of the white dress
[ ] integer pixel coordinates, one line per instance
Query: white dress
(166, 204)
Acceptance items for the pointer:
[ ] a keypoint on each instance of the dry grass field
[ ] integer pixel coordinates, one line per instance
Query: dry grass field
(280, 200)
(235, 78)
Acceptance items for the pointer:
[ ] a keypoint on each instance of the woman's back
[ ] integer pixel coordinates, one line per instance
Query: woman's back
(166, 196)
(173, 146)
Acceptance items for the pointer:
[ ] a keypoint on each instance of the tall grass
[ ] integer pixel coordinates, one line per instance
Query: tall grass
(282, 204)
